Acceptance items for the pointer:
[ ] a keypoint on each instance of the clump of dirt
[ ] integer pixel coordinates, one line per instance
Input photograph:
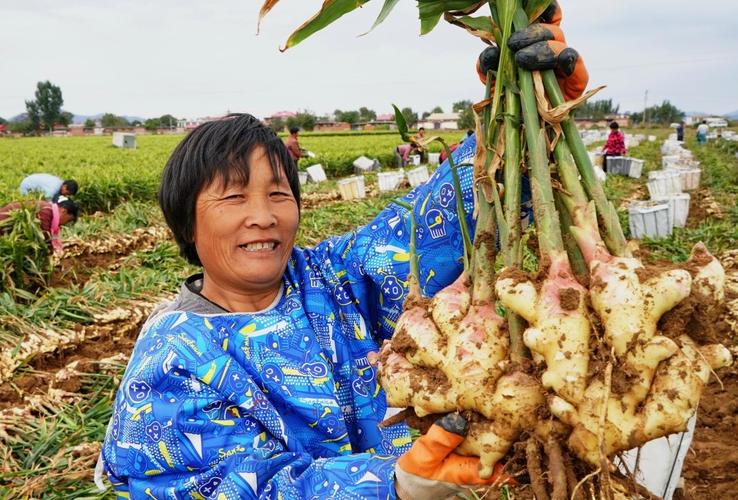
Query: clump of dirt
(569, 299)
(702, 206)
(699, 317)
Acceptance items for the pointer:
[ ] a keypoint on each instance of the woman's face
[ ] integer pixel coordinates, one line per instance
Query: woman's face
(244, 233)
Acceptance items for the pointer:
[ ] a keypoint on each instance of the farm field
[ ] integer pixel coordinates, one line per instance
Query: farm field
(64, 345)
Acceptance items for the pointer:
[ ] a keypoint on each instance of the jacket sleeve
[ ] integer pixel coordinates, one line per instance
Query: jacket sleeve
(371, 264)
(190, 422)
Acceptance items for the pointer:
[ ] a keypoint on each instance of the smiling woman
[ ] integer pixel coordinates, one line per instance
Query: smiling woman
(256, 380)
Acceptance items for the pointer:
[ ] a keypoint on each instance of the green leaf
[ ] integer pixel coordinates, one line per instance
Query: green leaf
(401, 124)
(483, 23)
(331, 11)
(534, 8)
(431, 11)
(386, 9)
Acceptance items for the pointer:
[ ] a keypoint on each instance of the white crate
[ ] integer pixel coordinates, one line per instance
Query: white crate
(663, 183)
(651, 138)
(434, 158)
(636, 168)
(649, 218)
(678, 208)
(414, 160)
(690, 178)
(124, 140)
(363, 164)
(316, 173)
(417, 176)
(352, 187)
(617, 165)
(389, 181)
(303, 176)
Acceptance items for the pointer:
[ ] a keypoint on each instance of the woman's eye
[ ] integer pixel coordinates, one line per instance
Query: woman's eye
(233, 196)
(280, 194)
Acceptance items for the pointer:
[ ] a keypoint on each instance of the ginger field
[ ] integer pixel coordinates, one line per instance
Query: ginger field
(65, 341)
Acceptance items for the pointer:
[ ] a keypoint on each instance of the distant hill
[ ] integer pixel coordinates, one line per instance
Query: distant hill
(733, 115)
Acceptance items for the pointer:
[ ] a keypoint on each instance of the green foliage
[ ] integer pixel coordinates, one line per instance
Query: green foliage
(411, 117)
(662, 114)
(45, 110)
(466, 114)
(596, 110)
(304, 120)
(350, 117)
(89, 123)
(25, 256)
(110, 120)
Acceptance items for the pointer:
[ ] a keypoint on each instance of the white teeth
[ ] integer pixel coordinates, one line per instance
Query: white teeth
(255, 247)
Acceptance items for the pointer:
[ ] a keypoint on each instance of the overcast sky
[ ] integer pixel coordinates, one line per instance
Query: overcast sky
(197, 58)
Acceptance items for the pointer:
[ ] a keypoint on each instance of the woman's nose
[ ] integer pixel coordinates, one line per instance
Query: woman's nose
(259, 213)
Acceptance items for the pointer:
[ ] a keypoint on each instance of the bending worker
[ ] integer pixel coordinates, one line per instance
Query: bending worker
(52, 187)
(256, 381)
(50, 215)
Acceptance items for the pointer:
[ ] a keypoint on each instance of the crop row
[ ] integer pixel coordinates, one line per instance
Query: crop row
(109, 176)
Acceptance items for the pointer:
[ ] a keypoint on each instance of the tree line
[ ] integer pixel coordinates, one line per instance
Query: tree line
(44, 111)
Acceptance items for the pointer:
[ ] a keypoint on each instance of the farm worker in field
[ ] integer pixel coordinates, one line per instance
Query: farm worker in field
(680, 131)
(293, 146)
(403, 151)
(615, 145)
(702, 130)
(51, 217)
(257, 380)
(52, 187)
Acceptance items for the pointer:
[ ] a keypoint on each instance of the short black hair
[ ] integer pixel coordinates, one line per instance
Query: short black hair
(71, 207)
(72, 186)
(421, 128)
(294, 130)
(469, 133)
(216, 149)
(614, 125)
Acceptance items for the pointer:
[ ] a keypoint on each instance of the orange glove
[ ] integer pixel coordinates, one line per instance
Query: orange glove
(542, 46)
(430, 470)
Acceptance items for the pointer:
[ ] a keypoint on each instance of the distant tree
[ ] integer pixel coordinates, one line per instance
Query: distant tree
(662, 114)
(425, 115)
(596, 110)
(168, 121)
(25, 127)
(411, 117)
(109, 120)
(152, 124)
(346, 116)
(305, 120)
(33, 116)
(277, 124)
(437, 109)
(46, 108)
(466, 114)
(66, 118)
(366, 114)
(136, 123)
(3, 121)
(89, 123)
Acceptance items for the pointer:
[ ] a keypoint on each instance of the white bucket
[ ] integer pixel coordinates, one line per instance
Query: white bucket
(303, 176)
(389, 181)
(352, 187)
(663, 183)
(415, 160)
(417, 176)
(651, 138)
(678, 208)
(649, 218)
(434, 158)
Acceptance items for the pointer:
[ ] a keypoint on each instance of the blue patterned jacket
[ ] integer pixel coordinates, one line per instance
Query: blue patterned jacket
(283, 403)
